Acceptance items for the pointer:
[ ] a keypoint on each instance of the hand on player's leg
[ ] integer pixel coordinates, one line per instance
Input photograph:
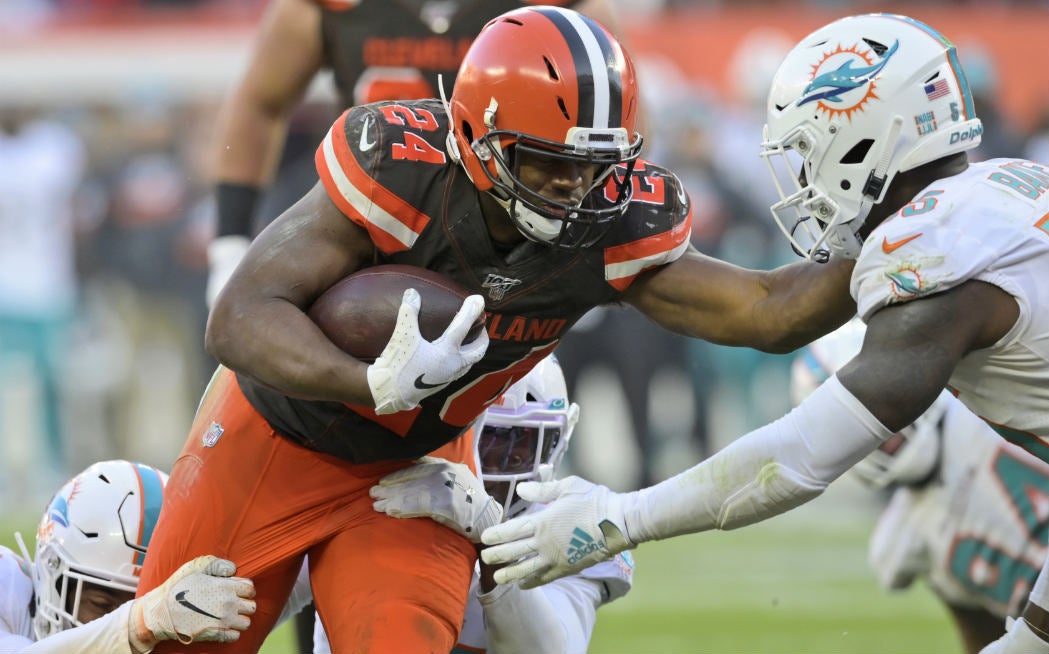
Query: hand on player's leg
(446, 492)
(201, 601)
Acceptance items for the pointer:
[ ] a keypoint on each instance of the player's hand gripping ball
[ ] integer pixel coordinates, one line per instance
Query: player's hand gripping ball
(420, 330)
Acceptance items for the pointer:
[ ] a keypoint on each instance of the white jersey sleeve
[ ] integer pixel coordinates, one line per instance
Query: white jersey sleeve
(989, 223)
(557, 617)
(105, 635)
(16, 594)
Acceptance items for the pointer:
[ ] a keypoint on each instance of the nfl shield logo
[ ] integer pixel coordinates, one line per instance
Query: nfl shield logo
(212, 435)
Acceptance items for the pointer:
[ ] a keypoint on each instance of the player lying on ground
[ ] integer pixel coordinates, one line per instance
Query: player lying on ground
(77, 594)
(869, 119)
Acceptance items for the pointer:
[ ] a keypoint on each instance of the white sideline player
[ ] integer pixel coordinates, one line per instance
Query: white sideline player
(869, 119)
(523, 436)
(77, 595)
(969, 512)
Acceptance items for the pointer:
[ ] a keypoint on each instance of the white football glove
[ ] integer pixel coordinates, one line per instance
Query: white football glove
(201, 601)
(1018, 639)
(411, 368)
(224, 254)
(446, 492)
(583, 526)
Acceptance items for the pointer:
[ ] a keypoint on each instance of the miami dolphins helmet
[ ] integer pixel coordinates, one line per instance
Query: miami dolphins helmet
(853, 104)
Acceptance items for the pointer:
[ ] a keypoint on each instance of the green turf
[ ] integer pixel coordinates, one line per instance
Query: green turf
(799, 583)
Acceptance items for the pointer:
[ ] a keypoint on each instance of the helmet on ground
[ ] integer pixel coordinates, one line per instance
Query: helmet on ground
(525, 434)
(908, 457)
(95, 531)
(551, 82)
(853, 104)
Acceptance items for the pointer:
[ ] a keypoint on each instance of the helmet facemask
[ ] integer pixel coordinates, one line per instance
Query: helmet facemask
(548, 221)
(525, 435)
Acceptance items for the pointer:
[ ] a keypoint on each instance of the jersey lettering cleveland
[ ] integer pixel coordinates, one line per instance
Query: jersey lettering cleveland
(989, 223)
(395, 49)
(384, 165)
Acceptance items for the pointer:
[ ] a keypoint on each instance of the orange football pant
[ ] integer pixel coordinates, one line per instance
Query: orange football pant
(380, 584)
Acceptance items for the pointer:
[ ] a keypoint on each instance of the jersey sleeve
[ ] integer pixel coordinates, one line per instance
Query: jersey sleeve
(107, 634)
(616, 576)
(16, 594)
(907, 258)
(557, 617)
(358, 154)
(656, 228)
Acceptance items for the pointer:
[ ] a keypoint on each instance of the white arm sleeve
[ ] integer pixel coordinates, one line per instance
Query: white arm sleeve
(762, 474)
(557, 617)
(105, 635)
(10, 642)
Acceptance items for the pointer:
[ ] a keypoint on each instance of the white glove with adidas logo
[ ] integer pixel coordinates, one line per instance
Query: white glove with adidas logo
(446, 492)
(201, 601)
(584, 525)
(411, 368)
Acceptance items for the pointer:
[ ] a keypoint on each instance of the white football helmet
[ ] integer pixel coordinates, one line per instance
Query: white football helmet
(908, 457)
(95, 530)
(525, 434)
(855, 103)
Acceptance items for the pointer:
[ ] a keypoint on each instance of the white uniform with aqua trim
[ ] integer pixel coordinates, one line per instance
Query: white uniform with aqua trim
(989, 223)
(106, 635)
(977, 531)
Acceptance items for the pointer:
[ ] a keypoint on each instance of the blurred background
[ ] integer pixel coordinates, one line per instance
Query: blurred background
(107, 109)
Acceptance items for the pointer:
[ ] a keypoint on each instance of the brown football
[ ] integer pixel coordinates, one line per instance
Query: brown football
(359, 312)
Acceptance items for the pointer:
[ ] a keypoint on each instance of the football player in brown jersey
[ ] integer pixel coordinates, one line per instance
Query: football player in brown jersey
(526, 188)
(376, 50)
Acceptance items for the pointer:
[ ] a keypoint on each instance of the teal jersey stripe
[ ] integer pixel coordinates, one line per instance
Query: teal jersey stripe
(1026, 440)
(952, 59)
(152, 498)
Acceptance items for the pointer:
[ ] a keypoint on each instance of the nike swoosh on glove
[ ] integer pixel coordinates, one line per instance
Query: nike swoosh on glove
(201, 601)
(446, 492)
(583, 525)
(409, 357)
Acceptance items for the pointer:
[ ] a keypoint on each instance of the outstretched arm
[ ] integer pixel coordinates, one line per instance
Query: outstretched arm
(776, 467)
(775, 311)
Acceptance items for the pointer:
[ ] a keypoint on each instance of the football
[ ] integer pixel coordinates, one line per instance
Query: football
(359, 312)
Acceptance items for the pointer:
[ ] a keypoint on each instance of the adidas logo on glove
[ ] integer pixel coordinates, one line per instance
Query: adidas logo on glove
(581, 545)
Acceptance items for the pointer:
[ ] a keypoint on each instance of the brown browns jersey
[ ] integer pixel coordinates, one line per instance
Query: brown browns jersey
(395, 49)
(384, 165)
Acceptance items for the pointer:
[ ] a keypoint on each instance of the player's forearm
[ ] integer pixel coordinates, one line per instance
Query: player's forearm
(277, 345)
(249, 141)
(105, 635)
(805, 301)
(762, 474)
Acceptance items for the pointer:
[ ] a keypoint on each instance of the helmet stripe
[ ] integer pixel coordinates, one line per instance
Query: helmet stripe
(952, 60)
(152, 498)
(600, 85)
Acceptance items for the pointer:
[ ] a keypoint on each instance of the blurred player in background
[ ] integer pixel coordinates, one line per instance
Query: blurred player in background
(869, 121)
(969, 512)
(523, 436)
(77, 594)
(525, 187)
(377, 50)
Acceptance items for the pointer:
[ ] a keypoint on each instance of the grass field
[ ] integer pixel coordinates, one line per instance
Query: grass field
(796, 584)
